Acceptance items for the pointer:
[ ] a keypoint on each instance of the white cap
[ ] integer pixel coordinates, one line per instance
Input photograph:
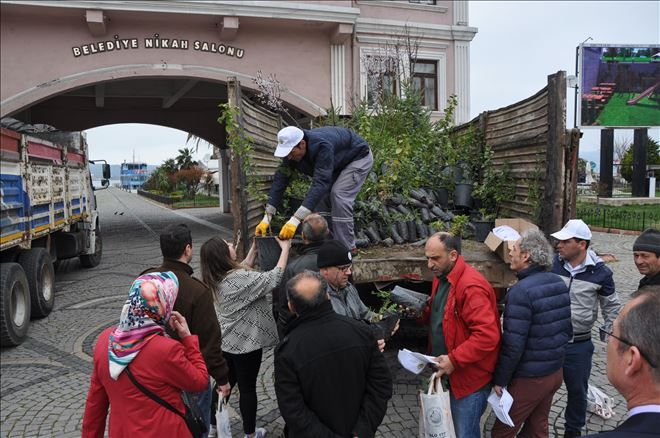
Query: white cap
(574, 228)
(287, 139)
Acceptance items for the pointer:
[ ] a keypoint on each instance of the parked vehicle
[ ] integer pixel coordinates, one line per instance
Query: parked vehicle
(48, 213)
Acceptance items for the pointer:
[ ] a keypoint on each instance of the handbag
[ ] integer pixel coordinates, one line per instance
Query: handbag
(192, 417)
(435, 420)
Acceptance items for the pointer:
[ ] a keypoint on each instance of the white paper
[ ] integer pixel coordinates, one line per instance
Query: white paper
(505, 232)
(501, 406)
(414, 362)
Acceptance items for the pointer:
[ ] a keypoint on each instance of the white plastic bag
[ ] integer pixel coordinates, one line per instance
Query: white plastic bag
(435, 419)
(222, 420)
(599, 403)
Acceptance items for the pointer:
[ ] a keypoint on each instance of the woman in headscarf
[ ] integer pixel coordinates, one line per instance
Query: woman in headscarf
(164, 366)
(245, 317)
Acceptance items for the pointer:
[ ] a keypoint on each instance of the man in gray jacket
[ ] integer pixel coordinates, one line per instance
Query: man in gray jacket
(590, 284)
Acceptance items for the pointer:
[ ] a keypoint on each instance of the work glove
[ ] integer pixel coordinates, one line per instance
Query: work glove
(289, 229)
(264, 225)
(262, 228)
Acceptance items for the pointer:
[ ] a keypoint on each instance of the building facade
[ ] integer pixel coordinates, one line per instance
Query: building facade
(81, 64)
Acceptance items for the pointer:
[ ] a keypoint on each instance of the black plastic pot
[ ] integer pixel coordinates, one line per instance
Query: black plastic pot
(463, 195)
(268, 252)
(482, 228)
(442, 194)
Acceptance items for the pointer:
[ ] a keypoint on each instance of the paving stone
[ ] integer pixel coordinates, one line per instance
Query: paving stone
(45, 380)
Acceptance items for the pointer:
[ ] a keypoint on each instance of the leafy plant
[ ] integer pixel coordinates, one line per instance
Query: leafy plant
(388, 305)
(241, 145)
(459, 224)
(496, 185)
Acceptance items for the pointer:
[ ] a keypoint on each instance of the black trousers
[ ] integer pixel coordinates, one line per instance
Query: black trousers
(243, 370)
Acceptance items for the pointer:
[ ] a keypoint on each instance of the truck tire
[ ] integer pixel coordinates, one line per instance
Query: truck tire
(40, 274)
(93, 260)
(14, 304)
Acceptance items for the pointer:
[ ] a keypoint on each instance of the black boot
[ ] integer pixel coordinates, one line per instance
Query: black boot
(571, 434)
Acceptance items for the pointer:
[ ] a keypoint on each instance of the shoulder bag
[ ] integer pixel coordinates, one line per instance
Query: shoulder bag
(192, 416)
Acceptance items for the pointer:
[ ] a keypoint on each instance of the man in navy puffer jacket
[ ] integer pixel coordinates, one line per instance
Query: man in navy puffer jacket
(537, 328)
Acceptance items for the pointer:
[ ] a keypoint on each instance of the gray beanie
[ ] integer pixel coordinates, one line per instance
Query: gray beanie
(648, 241)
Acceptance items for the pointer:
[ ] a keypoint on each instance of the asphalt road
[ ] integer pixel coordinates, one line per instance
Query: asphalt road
(44, 381)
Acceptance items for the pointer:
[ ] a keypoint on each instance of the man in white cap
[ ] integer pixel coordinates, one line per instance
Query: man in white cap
(338, 160)
(590, 283)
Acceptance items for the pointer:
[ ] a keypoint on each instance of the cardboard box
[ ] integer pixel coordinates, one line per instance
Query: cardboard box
(501, 247)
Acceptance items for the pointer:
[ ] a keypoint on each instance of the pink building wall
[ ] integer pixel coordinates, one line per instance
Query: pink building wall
(291, 40)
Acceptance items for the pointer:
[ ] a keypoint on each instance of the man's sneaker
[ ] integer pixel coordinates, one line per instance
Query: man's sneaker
(213, 432)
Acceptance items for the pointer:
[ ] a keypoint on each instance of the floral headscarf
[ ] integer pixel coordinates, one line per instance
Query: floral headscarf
(144, 315)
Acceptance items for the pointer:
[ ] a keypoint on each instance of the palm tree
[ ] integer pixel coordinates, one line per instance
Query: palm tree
(169, 166)
(185, 159)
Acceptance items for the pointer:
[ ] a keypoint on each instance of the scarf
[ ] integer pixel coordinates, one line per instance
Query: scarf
(145, 314)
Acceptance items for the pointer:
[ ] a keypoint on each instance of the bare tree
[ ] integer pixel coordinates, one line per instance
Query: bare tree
(621, 146)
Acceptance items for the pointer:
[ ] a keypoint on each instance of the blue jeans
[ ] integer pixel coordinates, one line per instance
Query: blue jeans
(577, 368)
(467, 411)
(203, 400)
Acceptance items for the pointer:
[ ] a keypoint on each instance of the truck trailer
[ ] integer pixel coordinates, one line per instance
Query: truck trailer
(48, 213)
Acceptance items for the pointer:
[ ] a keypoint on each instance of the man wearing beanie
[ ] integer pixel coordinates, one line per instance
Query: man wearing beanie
(334, 261)
(646, 251)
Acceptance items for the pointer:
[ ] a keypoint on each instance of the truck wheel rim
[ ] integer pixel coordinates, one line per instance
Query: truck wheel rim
(47, 287)
(18, 304)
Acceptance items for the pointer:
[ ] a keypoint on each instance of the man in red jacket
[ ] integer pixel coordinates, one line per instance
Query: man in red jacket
(464, 332)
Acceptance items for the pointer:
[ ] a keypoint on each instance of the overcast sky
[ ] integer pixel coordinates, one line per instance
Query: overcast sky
(518, 45)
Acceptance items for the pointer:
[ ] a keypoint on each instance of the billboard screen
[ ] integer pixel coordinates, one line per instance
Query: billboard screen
(619, 86)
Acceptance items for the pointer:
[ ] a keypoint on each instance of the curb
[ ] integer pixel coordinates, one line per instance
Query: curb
(616, 231)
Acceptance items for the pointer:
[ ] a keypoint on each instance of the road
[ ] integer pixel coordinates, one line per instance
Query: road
(45, 380)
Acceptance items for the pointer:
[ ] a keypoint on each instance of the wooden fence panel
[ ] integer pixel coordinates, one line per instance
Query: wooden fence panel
(261, 126)
(531, 137)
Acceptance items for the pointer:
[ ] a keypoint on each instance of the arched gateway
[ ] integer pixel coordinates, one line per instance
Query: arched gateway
(80, 64)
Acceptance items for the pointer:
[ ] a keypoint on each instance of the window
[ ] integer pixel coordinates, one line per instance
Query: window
(425, 80)
(381, 77)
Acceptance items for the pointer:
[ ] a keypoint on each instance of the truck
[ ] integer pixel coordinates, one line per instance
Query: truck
(48, 213)
(529, 136)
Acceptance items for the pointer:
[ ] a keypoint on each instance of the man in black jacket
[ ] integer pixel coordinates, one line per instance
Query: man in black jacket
(633, 364)
(330, 378)
(646, 251)
(314, 232)
(195, 303)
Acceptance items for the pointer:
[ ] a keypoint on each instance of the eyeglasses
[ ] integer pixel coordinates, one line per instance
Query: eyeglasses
(344, 268)
(604, 336)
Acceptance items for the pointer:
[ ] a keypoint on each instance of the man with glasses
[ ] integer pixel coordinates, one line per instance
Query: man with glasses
(338, 160)
(590, 284)
(334, 261)
(633, 356)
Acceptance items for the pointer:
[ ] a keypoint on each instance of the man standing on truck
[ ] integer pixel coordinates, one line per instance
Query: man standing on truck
(195, 303)
(590, 283)
(338, 160)
(464, 331)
